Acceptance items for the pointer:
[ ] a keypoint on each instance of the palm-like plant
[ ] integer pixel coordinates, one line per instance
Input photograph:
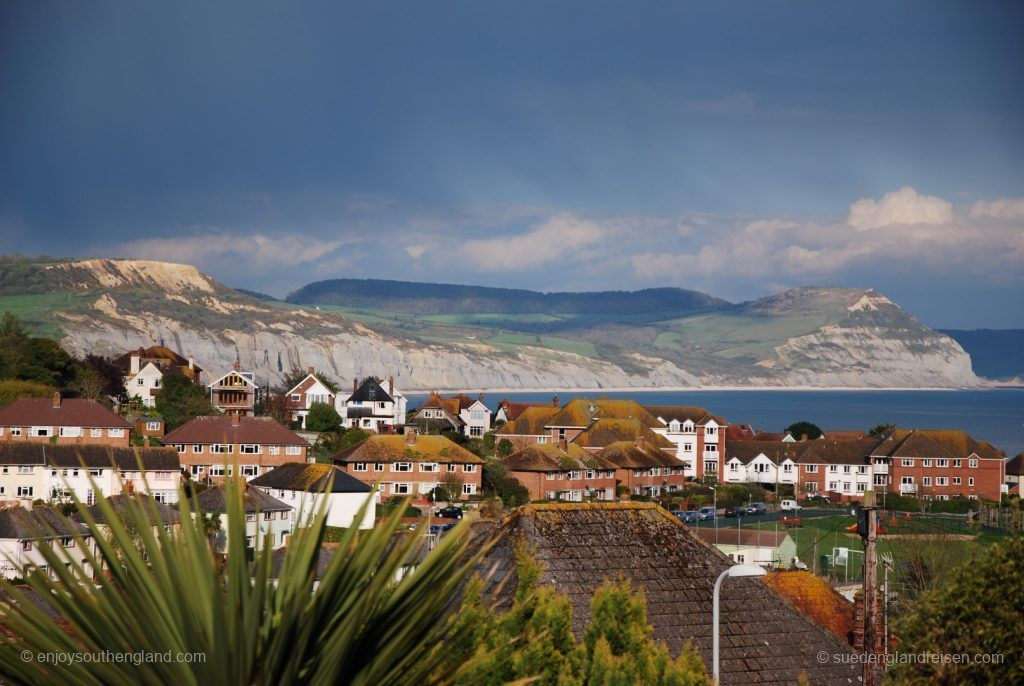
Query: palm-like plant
(359, 625)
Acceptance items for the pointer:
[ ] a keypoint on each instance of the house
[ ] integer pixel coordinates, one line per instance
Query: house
(150, 426)
(580, 546)
(235, 392)
(304, 486)
(62, 421)
(459, 413)
(509, 411)
(528, 428)
(411, 464)
(698, 435)
(767, 464)
(838, 469)
(264, 515)
(371, 408)
(938, 464)
(561, 472)
(124, 505)
(25, 530)
(1014, 472)
(751, 546)
(144, 369)
(642, 468)
(212, 447)
(301, 397)
(53, 472)
(604, 432)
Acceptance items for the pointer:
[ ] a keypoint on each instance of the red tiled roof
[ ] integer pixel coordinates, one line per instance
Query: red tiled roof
(254, 430)
(72, 412)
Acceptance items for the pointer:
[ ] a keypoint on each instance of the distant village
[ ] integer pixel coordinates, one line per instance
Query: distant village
(453, 455)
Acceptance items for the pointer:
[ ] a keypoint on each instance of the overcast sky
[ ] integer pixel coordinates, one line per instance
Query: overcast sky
(734, 148)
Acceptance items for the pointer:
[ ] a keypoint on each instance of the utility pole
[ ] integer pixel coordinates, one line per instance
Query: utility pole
(868, 529)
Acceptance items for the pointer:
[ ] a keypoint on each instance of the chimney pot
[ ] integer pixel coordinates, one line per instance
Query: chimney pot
(56, 400)
(236, 419)
(391, 386)
(238, 366)
(309, 370)
(554, 400)
(355, 385)
(191, 362)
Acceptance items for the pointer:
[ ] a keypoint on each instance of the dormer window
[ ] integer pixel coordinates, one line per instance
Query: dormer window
(673, 426)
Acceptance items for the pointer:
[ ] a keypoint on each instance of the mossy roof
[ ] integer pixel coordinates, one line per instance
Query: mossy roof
(531, 422)
(604, 432)
(394, 448)
(549, 457)
(576, 413)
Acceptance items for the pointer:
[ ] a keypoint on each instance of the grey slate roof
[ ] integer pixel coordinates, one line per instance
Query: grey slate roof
(370, 391)
(21, 523)
(313, 478)
(764, 639)
(94, 456)
(167, 514)
(254, 500)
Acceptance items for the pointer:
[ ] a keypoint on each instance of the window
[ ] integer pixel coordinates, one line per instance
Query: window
(673, 426)
(115, 433)
(293, 450)
(452, 467)
(95, 433)
(687, 447)
(550, 495)
(250, 470)
(942, 481)
(970, 481)
(250, 516)
(15, 430)
(710, 431)
(810, 487)
(358, 466)
(906, 480)
(469, 468)
(25, 469)
(957, 481)
(217, 470)
(476, 431)
(688, 428)
(71, 431)
(711, 448)
(942, 463)
(733, 467)
(590, 474)
(833, 469)
(250, 541)
(296, 398)
(25, 491)
(250, 449)
(710, 466)
(907, 462)
(926, 481)
(862, 470)
(811, 468)
(551, 476)
(958, 463)
(787, 468)
(972, 463)
(468, 489)
(67, 542)
(26, 545)
(879, 479)
(152, 426)
(140, 382)
(401, 466)
(740, 558)
(274, 449)
(574, 474)
(401, 489)
(197, 449)
(379, 467)
(221, 449)
(846, 487)
(542, 439)
(40, 431)
(846, 469)
(428, 467)
(927, 462)
(267, 516)
(476, 415)
(833, 485)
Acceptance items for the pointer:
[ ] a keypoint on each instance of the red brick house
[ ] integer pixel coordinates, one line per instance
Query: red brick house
(212, 447)
(68, 422)
(411, 464)
(528, 428)
(562, 472)
(301, 397)
(698, 435)
(644, 469)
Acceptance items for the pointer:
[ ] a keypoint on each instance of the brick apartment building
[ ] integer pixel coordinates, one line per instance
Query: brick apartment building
(64, 421)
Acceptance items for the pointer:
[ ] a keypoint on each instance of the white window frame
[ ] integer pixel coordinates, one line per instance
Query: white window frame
(402, 467)
(469, 468)
(293, 450)
(358, 466)
(115, 433)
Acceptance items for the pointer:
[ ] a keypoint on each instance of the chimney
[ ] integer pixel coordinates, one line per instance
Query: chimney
(410, 435)
(236, 418)
(640, 442)
(554, 401)
(309, 370)
(136, 360)
(391, 386)
(56, 400)
(237, 366)
(355, 386)
(480, 397)
(563, 444)
(191, 362)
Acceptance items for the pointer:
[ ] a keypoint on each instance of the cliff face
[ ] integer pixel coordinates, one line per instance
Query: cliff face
(805, 337)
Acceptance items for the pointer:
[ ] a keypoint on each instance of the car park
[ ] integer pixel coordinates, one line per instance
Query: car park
(756, 508)
(706, 513)
(732, 512)
(687, 516)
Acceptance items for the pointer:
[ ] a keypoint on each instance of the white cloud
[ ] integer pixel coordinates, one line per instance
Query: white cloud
(415, 251)
(1002, 208)
(215, 248)
(559, 238)
(905, 206)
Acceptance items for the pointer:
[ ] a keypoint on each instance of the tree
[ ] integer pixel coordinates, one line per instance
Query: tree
(296, 375)
(180, 400)
(449, 487)
(496, 480)
(977, 612)
(879, 430)
(323, 418)
(12, 389)
(354, 619)
(504, 447)
(102, 367)
(802, 430)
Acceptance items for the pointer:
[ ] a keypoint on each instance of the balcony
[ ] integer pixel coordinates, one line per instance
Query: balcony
(880, 468)
(908, 489)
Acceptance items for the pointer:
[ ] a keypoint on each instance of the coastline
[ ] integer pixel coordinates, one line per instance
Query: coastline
(699, 389)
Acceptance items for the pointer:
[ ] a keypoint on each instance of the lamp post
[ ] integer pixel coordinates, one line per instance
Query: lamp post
(735, 571)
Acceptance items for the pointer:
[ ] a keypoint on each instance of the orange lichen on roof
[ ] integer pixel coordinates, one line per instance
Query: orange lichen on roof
(577, 412)
(813, 596)
(393, 448)
(531, 422)
(604, 432)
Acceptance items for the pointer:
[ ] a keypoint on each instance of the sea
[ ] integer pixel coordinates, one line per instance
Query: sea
(996, 415)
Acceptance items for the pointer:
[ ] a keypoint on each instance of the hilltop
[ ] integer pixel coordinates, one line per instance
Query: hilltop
(439, 336)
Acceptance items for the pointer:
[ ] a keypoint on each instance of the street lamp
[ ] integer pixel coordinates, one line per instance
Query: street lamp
(735, 570)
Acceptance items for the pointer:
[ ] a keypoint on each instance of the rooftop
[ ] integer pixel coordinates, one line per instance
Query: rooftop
(234, 430)
(313, 478)
(254, 500)
(60, 412)
(395, 448)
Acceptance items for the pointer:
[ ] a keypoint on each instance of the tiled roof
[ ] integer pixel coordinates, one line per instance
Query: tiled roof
(813, 596)
(166, 514)
(933, 443)
(69, 412)
(753, 538)
(604, 432)
(306, 384)
(697, 415)
(96, 456)
(745, 451)
(324, 557)
(22, 523)
(222, 429)
(843, 434)
(1015, 465)
(314, 478)
(513, 410)
(764, 639)
(531, 422)
(830, 451)
(394, 448)
(576, 412)
(370, 391)
(628, 455)
(154, 353)
(212, 500)
(549, 457)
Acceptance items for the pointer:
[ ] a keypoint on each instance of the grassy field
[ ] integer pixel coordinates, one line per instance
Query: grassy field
(36, 311)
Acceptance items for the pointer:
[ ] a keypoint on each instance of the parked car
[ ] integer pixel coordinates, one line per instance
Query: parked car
(819, 498)
(789, 506)
(687, 516)
(757, 508)
(706, 513)
(450, 512)
(732, 512)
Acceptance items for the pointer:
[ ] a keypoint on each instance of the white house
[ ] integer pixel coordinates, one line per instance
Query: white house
(25, 530)
(372, 408)
(31, 471)
(263, 514)
(304, 486)
(143, 371)
(697, 434)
